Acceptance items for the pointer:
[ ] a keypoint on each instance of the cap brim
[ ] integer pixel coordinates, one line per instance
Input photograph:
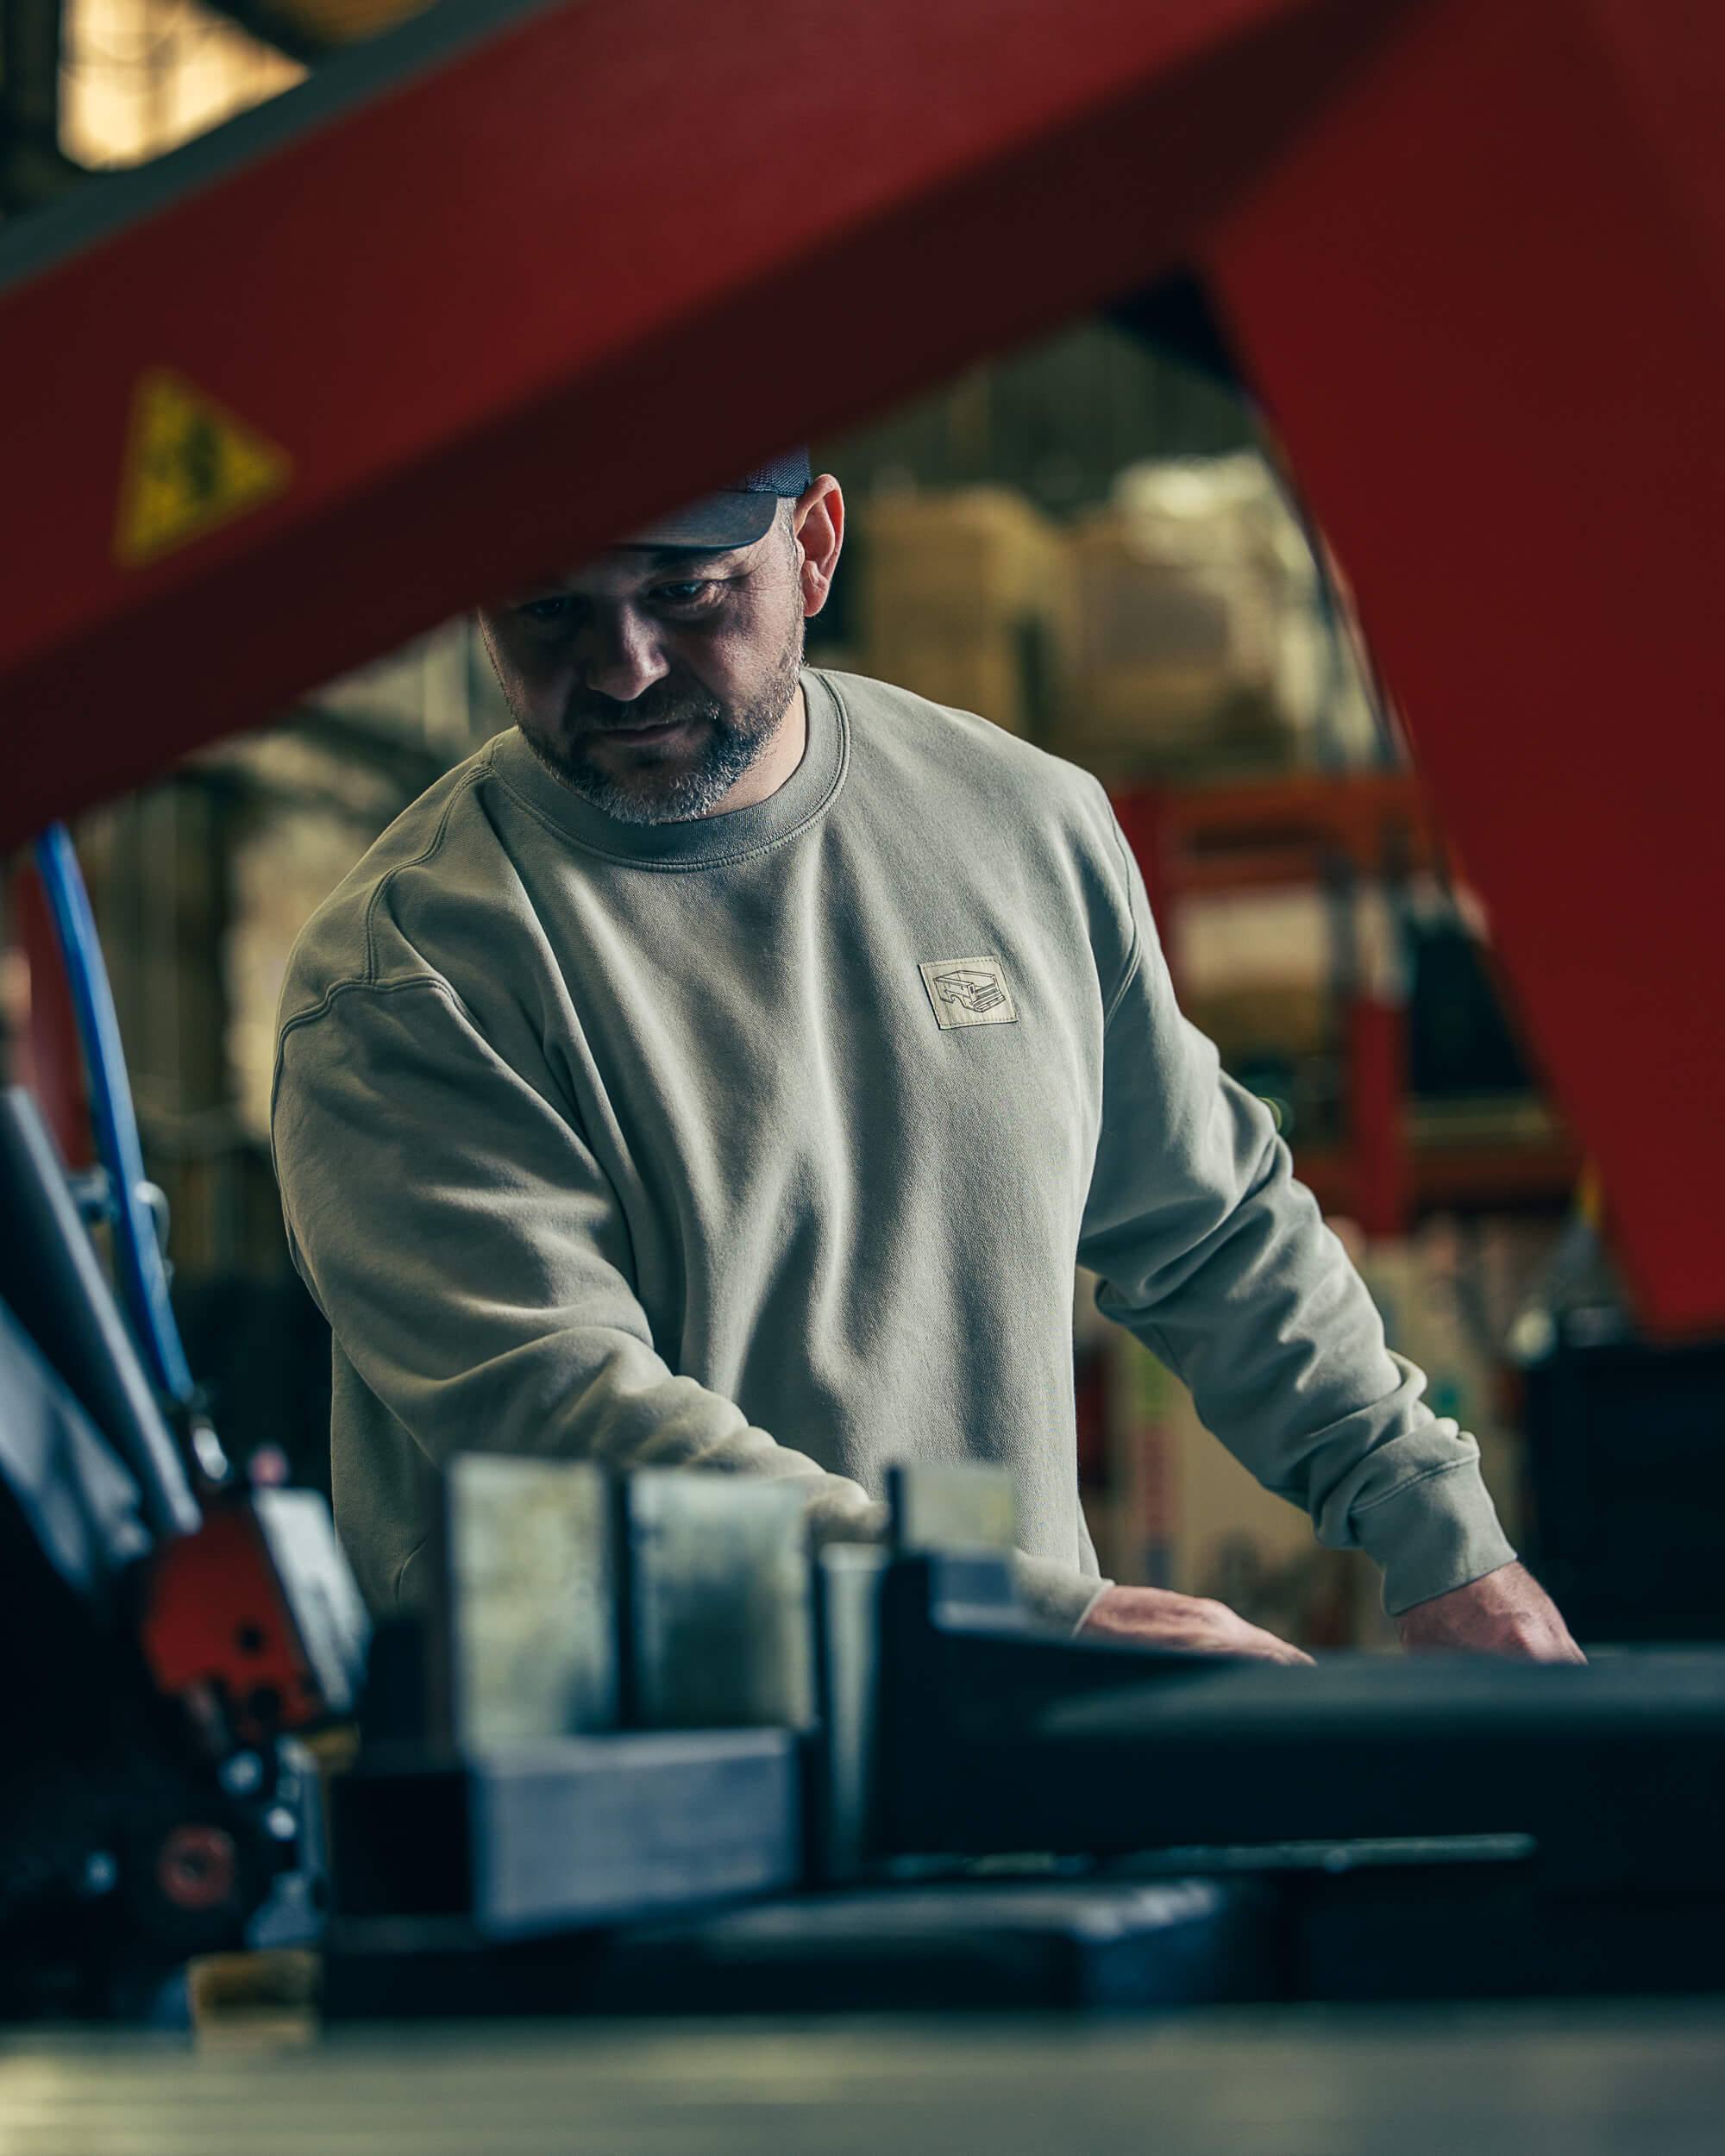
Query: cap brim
(720, 521)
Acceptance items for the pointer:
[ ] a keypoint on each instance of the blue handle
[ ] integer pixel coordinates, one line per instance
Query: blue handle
(137, 1255)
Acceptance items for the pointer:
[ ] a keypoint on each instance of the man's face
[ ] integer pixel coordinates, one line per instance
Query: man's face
(651, 680)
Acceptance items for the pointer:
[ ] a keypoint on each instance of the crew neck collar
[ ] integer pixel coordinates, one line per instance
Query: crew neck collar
(706, 840)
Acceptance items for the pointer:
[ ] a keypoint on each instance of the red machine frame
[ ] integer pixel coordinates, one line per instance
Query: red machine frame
(514, 281)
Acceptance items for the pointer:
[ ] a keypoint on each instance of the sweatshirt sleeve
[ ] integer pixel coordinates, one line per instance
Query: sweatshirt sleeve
(473, 1259)
(1220, 1263)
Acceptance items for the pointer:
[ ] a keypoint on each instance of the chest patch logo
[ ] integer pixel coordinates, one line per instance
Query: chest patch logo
(968, 991)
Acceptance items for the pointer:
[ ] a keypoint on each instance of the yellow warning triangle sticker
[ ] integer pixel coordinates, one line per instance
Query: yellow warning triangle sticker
(190, 466)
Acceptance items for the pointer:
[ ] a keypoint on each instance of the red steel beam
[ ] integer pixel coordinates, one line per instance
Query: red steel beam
(1483, 299)
(563, 279)
(1474, 254)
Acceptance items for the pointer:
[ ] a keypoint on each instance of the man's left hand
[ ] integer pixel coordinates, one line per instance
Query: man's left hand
(1508, 1612)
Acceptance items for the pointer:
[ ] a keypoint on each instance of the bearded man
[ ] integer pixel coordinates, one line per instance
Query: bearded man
(727, 1068)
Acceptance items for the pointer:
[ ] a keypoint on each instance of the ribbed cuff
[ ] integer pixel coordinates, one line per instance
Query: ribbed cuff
(1055, 1593)
(1435, 1534)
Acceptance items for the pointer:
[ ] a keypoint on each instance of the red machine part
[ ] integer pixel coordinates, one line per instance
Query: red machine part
(495, 315)
(198, 1868)
(44, 1031)
(1483, 297)
(215, 1618)
(588, 266)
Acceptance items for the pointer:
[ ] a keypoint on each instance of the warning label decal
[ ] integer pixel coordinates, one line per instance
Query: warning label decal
(190, 466)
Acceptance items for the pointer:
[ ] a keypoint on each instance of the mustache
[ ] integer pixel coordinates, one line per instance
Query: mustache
(589, 712)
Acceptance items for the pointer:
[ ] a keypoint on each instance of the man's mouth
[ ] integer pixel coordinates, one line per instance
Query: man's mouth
(653, 730)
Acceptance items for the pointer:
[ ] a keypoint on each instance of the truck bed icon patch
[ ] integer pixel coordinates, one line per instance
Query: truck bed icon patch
(968, 991)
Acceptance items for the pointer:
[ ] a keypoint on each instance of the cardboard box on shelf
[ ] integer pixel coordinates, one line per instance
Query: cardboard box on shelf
(969, 554)
(1199, 635)
(962, 598)
(1171, 659)
(1177, 630)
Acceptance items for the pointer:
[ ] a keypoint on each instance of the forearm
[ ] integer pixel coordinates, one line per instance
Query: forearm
(1272, 1328)
(1222, 1265)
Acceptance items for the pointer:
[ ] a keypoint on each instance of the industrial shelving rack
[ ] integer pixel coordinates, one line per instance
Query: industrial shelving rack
(1308, 828)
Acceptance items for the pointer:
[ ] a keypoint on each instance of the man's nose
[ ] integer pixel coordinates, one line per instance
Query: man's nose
(620, 656)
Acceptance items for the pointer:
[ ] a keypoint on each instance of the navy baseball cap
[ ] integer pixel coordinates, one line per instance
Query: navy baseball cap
(736, 516)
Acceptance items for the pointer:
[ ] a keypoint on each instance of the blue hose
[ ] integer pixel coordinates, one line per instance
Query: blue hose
(137, 1254)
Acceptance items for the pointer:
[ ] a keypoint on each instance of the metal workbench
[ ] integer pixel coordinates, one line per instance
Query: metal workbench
(1647, 2080)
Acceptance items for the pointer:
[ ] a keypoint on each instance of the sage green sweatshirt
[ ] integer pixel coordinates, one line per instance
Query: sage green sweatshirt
(767, 1143)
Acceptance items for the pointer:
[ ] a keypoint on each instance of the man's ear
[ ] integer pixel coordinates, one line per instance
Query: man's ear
(818, 527)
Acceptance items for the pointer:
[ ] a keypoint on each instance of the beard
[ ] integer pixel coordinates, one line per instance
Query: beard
(667, 784)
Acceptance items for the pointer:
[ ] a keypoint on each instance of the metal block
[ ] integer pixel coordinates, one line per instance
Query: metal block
(948, 1505)
(594, 1830)
(530, 1600)
(848, 1576)
(721, 1602)
(563, 1834)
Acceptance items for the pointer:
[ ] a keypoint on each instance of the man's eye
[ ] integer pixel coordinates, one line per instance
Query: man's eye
(548, 610)
(688, 596)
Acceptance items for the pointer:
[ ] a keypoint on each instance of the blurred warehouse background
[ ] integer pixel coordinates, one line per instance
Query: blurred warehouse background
(1089, 544)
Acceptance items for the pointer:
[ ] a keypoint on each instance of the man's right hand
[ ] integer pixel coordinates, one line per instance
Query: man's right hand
(1151, 1617)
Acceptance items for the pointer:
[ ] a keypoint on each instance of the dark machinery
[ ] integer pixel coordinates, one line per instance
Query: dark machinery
(950, 1807)
(163, 1644)
(170, 1629)
(643, 1751)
